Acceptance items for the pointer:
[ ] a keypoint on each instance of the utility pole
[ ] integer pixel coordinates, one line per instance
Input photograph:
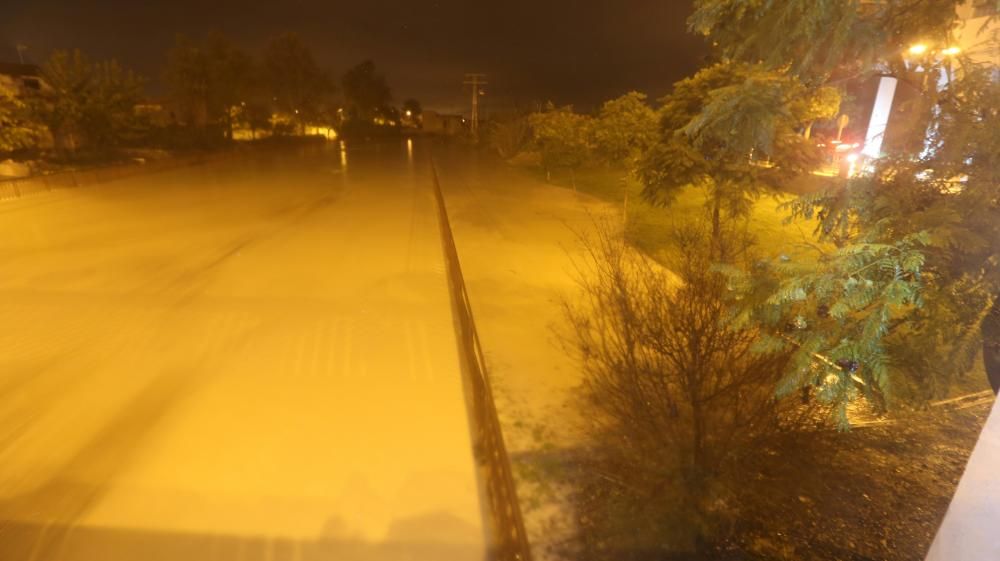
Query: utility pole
(475, 80)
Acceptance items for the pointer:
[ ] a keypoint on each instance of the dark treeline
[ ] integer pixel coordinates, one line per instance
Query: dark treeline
(216, 92)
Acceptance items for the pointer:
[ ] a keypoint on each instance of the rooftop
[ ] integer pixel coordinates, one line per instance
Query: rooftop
(15, 69)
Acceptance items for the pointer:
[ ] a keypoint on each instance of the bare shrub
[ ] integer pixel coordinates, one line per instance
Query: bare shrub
(675, 399)
(510, 137)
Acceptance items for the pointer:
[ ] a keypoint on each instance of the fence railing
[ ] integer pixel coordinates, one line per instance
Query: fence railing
(509, 540)
(19, 188)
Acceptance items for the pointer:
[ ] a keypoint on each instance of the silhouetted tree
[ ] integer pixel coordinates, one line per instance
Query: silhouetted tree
(300, 88)
(256, 116)
(209, 79)
(365, 91)
(90, 102)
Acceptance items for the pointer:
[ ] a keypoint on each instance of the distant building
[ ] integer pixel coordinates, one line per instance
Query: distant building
(22, 80)
(410, 121)
(25, 81)
(156, 112)
(436, 123)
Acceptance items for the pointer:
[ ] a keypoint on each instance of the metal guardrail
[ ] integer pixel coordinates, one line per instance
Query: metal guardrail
(19, 188)
(509, 540)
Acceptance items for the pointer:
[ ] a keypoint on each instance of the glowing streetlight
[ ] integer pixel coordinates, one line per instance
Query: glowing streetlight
(852, 161)
(917, 49)
(951, 51)
(409, 113)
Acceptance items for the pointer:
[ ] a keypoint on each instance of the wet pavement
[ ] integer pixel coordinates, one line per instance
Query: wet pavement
(251, 359)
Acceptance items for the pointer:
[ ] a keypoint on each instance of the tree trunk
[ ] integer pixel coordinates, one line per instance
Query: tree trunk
(698, 439)
(698, 475)
(625, 207)
(717, 226)
(991, 345)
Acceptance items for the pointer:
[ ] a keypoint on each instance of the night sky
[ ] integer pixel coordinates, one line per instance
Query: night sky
(532, 50)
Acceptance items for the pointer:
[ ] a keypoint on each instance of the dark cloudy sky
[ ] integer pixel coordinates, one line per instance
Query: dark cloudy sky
(568, 51)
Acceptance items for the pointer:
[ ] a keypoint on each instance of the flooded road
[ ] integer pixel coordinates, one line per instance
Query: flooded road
(251, 359)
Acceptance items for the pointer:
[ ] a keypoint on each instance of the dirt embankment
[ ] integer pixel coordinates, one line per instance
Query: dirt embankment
(876, 493)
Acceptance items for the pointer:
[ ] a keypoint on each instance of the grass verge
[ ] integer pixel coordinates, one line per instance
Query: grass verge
(648, 226)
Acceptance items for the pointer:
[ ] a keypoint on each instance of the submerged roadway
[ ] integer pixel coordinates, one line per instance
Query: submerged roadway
(248, 359)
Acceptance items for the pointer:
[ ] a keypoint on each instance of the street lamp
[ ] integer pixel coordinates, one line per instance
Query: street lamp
(852, 161)
(922, 48)
(882, 107)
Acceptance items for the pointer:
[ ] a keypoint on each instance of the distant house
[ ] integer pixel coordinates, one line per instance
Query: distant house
(156, 111)
(22, 80)
(25, 81)
(436, 123)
